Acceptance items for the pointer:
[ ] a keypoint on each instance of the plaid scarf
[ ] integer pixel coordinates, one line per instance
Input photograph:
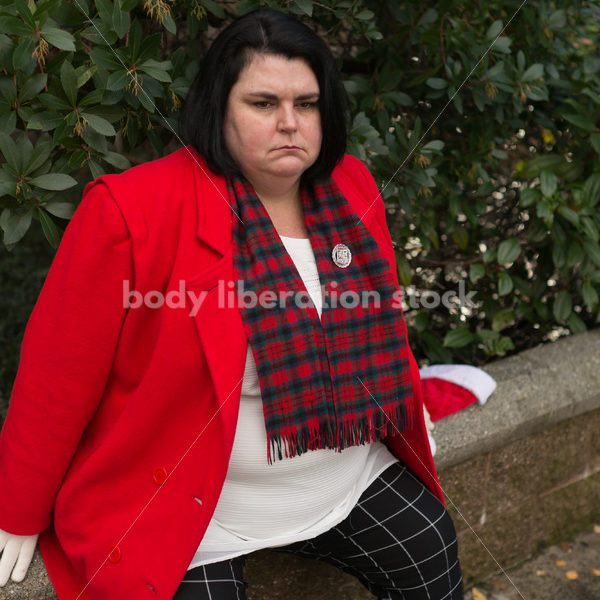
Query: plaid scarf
(340, 381)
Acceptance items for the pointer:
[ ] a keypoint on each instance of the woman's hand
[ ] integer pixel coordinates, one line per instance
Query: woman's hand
(17, 552)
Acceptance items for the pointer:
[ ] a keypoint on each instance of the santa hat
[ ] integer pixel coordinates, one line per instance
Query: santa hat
(450, 388)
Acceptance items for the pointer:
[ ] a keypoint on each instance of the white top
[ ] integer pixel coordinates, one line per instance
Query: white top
(293, 499)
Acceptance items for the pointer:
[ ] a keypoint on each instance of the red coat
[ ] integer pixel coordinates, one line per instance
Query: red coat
(122, 420)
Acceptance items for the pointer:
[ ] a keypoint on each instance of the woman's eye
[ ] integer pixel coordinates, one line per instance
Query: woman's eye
(263, 104)
(308, 105)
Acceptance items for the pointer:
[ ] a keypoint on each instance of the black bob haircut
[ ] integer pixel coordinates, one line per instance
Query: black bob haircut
(263, 32)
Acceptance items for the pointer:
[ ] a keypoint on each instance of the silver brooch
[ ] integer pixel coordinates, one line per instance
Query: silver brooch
(341, 255)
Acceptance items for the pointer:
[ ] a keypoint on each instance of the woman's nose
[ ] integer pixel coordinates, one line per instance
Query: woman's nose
(287, 119)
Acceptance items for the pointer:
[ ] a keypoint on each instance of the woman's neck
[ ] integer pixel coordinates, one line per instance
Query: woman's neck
(278, 195)
(283, 203)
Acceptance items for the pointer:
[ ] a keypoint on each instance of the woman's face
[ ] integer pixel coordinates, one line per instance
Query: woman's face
(272, 123)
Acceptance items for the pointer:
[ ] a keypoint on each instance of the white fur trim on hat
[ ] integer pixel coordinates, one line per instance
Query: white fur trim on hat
(474, 379)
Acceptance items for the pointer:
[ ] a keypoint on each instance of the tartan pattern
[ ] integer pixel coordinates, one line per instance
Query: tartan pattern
(311, 372)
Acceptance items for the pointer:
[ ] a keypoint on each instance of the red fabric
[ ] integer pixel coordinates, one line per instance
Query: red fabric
(443, 398)
(107, 394)
(315, 397)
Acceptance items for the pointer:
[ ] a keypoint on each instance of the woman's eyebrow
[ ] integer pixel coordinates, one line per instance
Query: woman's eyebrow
(271, 96)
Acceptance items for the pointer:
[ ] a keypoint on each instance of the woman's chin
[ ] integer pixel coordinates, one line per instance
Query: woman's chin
(291, 166)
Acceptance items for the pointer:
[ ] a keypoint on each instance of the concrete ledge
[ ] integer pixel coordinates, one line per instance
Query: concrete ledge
(536, 389)
(520, 473)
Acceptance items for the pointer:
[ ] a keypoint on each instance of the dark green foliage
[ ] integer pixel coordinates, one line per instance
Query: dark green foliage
(22, 273)
(479, 121)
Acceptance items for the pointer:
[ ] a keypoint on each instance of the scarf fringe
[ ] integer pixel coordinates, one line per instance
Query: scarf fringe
(375, 424)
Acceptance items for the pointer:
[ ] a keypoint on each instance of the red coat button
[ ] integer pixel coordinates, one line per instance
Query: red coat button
(159, 475)
(115, 554)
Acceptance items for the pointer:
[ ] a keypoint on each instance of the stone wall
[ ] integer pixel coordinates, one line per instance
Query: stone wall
(524, 470)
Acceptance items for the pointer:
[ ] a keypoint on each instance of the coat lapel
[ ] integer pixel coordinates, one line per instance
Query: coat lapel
(217, 320)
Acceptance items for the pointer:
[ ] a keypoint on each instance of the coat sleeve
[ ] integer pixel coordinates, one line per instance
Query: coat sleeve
(65, 361)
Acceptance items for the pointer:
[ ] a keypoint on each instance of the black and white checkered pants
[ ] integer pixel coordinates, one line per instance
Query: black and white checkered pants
(398, 540)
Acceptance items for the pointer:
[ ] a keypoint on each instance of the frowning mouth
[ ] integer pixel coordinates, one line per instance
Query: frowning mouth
(288, 148)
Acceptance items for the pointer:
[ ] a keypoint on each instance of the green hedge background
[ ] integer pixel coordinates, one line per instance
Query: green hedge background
(479, 121)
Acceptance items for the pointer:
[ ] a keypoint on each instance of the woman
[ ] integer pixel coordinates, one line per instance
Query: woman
(176, 421)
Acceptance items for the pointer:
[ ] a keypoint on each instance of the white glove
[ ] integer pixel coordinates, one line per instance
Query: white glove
(17, 551)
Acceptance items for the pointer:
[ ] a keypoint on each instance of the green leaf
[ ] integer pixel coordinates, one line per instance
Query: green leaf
(434, 350)
(528, 196)
(365, 15)
(23, 10)
(459, 337)
(8, 122)
(306, 6)
(502, 45)
(94, 97)
(22, 56)
(117, 80)
(535, 71)
(505, 283)
(576, 324)
(544, 211)
(52, 101)
(580, 121)
(562, 306)
(461, 238)
(559, 255)
(435, 145)
(105, 59)
(14, 226)
(476, 272)
(157, 70)
(575, 254)
(32, 87)
(14, 26)
(437, 83)
(502, 319)
(404, 270)
(117, 160)
(589, 228)
(95, 169)
(537, 93)
(569, 214)
(49, 228)
(591, 190)
(557, 20)
(590, 296)
(548, 183)
(63, 210)
(541, 309)
(120, 20)
(59, 38)
(503, 345)
(508, 251)
(550, 162)
(84, 72)
(592, 250)
(40, 154)
(8, 149)
(105, 8)
(53, 181)
(595, 140)
(100, 124)
(24, 150)
(214, 8)
(494, 30)
(46, 121)
(68, 79)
